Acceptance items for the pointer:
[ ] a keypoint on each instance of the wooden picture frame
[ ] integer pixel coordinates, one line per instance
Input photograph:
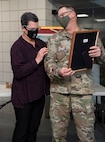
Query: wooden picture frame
(79, 58)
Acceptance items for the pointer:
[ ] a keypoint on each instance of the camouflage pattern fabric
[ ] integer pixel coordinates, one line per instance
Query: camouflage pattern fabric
(83, 113)
(59, 48)
(80, 85)
(100, 60)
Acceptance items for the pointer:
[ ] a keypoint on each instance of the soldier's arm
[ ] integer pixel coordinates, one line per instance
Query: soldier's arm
(50, 61)
(101, 59)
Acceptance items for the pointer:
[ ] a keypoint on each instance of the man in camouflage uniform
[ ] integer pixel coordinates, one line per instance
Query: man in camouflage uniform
(70, 90)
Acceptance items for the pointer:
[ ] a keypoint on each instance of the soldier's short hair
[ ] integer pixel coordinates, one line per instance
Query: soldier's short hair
(67, 6)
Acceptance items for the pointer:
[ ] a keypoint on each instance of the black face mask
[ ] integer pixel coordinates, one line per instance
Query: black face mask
(32, 33)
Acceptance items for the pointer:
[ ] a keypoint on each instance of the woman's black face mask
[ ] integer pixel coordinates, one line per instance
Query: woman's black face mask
(32, 33)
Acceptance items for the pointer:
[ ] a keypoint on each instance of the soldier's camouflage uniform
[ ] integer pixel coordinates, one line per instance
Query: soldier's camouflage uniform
(70, 93)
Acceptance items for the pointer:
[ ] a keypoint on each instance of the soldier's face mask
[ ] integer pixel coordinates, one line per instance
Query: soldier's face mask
(63, 21)
(64, 18)
(32, 33)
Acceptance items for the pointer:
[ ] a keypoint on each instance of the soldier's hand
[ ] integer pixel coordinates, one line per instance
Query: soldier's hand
(66, 72)
(94, 51)
(42, 52)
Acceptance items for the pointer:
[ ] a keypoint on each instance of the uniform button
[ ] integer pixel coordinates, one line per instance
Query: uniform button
(78, 76)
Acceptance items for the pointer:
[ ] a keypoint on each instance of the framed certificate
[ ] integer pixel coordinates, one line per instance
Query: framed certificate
(79, 58)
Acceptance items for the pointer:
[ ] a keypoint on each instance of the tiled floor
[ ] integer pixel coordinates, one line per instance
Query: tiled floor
(7, 122)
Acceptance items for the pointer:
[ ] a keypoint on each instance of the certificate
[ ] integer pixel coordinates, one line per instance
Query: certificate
(79, 58)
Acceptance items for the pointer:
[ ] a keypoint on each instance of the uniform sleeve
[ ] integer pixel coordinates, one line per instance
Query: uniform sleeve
(100, 60)
(50, 61)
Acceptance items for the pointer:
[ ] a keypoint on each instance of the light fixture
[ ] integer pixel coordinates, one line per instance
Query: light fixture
(99, 20)
(82, 15)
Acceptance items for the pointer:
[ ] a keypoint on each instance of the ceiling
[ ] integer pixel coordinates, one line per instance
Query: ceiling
(95, 8)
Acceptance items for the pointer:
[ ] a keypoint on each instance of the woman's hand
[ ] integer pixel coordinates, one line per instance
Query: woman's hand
(42, 52)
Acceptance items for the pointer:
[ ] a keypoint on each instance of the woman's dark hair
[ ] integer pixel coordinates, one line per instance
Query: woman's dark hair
(28, 16)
